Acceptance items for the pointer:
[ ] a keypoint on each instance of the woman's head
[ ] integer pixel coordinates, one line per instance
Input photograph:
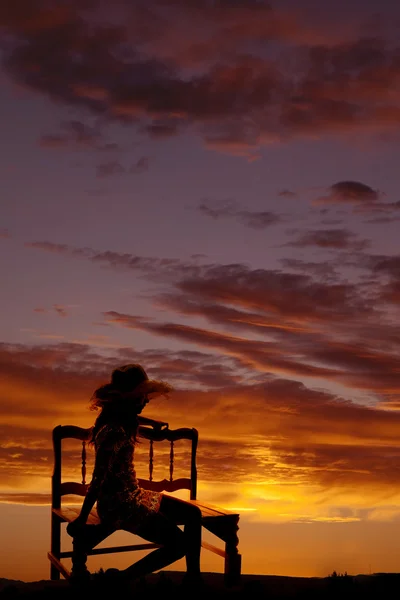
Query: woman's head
(124, 397)
(128, 390)
(128, 377)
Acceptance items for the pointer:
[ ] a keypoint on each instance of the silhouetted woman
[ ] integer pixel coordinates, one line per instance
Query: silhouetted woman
(121, 502)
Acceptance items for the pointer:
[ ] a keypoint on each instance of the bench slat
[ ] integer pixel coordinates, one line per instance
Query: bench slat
(212, 510)
(130, 548)
(58, 564)
(69, 513)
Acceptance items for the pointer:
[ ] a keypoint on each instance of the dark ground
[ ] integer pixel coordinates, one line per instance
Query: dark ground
(377, 586)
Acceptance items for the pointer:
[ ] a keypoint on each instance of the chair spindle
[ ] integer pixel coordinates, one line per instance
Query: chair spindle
(84, 463)
(151, 463)
(171, 461)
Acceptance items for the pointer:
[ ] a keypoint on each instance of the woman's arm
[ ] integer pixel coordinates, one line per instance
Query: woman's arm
(105, 455)
(90, 500)
(75, 526)
(152, 422)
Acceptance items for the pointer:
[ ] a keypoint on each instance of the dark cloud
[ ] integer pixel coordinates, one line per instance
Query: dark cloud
(60, 310)
(298, 353)
(384, 220)
(391, 292)
(114, 167)
(332, 239)
(287, 194)
(381, 264)
(361, 199)
(163, 269)
(140, 166)
(386, 268)
(74, 134)
(310, 327)
(276, 292)
(107, 169)
(252, 219)
(352, 192)
(327, 270)
(213, 68)
(160, 130)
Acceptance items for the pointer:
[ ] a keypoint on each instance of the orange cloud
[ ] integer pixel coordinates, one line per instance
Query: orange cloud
(268, 432)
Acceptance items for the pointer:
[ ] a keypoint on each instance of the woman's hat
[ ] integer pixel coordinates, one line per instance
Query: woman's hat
(133, 378)
(130, 378)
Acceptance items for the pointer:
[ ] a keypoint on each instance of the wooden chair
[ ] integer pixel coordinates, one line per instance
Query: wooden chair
(220, 522)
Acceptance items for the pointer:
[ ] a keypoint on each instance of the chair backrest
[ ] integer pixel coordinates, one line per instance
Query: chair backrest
(62, 432)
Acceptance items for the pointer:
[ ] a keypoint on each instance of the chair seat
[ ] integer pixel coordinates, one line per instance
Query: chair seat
(209, 512)
(67, 514)
(221, 523)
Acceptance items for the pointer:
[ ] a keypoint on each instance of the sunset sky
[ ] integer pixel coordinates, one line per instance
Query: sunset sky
(209, 188)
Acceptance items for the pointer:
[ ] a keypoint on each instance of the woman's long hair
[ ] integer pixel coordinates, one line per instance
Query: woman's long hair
(114, 409)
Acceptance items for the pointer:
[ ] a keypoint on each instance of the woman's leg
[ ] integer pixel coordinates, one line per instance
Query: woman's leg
(188, 515)
(160, 530)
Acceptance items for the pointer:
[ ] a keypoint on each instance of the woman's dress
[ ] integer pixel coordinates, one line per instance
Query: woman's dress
(120, 501)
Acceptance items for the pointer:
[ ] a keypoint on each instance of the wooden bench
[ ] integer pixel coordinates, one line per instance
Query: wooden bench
(220, 522)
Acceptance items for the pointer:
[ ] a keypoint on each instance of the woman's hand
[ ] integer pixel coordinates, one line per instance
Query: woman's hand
(158, 425)
(75, 527)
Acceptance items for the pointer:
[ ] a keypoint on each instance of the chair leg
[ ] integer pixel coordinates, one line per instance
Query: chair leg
(233, 565)
(55, 545)
(91, 536)
(54, 573)
(79, 569)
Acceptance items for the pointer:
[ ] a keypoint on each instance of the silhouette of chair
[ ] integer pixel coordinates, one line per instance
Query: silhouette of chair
(220, 522)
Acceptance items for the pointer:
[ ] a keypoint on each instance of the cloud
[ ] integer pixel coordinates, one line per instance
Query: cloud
(4, 233)
(298, 356)
(350, 192)
(164, 129)
(60, 310)
(140, 166)
(287, 433)
(252, 219)
(362, 200)
(307, 325)
(331, 239)
(210, 70)
(326, 270)
(387, 269)
(114, 167)
(74, 134)
(162, 269)
(287, 194)
(295, 352)
(388, 265)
